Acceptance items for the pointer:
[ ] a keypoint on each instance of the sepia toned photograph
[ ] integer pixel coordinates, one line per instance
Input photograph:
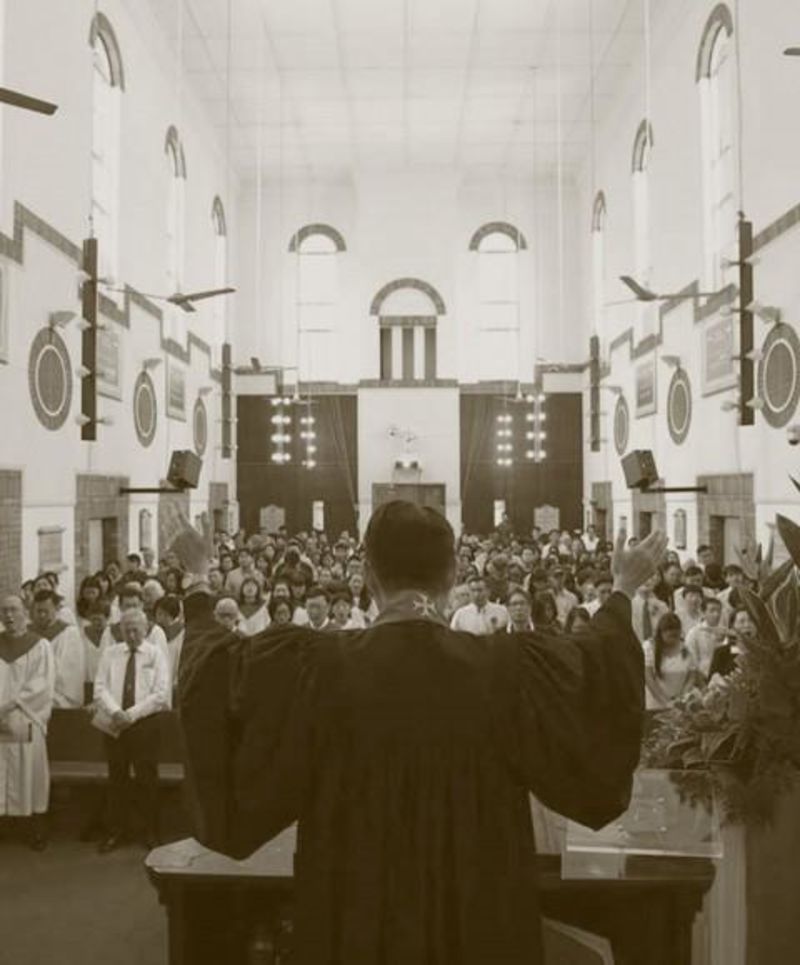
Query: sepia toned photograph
(399, 482)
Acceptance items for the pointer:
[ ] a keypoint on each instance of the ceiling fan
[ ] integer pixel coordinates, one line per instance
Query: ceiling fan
(184, 300)
(15, 99)
(642, 294)
(792, 52)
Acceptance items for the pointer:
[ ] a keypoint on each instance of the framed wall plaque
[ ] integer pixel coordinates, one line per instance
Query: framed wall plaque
(176, 390)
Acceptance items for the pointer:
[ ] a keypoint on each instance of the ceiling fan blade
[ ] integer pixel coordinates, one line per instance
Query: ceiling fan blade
(199, 296)
(642, 294)
(792, 52)
(622, 301)
(16, 99)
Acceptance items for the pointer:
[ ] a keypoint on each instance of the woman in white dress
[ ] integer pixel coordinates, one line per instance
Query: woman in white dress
(253, 607)
(670, 670)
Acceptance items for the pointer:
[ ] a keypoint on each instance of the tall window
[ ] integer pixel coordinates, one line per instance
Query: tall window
(642, 149)
(107, 86)
(219, 305)
(599, 266)
(175, 231)
(716, 79)
(317, 249)
(497, 248)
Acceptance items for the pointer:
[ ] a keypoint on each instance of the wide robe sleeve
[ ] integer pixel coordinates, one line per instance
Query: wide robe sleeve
(572, 713)
(246, 711)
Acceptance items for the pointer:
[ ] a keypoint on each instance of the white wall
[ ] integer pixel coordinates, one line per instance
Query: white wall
(46, 167)
(770, 85)
(432, 415)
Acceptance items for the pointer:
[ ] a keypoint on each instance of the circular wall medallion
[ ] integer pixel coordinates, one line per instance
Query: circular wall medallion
(779, 375)
(622, 425)
(200, 422)
(145, 409)
(679, 406)
(50, 378)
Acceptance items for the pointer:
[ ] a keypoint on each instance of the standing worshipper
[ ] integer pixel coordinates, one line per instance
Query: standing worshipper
(27, 679)
(168, 617)
(253, 608)
(132, 598)
(132, 688)
(519, 612)
(69, 658)
(480, 615)
(93, 631)
(407, 752)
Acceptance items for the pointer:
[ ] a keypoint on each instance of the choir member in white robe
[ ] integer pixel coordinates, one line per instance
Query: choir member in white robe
(68, 651)
(27, 680)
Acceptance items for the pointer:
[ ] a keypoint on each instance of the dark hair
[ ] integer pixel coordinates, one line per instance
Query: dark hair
(574, 613)
(46, 596)
(475, 578)
(545, 611)
(518, 591)
(693, 590)
(734, 613)
(134, 558)
(711, 601)
(733, 568)
(245, 581)
(170, 604)
(693, 571)
(316, 591)
(274, 603)
(669, 621)
(604, 577)
(98, 608)
(410, 546)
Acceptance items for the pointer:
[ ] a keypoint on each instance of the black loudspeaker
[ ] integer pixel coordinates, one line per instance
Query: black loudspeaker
(184, 469)
(640, 470)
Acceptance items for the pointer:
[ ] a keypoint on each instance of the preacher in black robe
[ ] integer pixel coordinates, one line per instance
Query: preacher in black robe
(406, 753)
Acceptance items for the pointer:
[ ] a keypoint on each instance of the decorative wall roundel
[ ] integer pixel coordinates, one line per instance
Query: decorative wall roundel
(145, 409)
(50, 378)
(679, 406)
(779, 375)
(622, 425)
(200, 422)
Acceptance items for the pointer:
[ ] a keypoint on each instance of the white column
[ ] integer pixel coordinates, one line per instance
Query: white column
(419, 352)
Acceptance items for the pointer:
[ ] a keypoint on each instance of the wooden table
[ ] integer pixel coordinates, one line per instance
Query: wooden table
(225, 912)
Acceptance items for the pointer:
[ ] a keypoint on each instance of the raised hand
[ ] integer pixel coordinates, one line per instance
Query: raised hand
(632, 567)
(193, 549)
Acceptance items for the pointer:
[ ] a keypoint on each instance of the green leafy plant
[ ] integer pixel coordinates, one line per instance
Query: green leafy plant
(744, 730)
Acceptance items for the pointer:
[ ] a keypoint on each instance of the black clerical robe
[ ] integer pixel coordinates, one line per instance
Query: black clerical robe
(406, 753)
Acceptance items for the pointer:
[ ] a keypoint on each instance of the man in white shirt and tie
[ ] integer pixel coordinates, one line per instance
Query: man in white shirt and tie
(480, 616)
(131, 597)
(132, 688)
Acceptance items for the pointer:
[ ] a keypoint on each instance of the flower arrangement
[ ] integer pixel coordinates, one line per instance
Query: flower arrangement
(743, 731)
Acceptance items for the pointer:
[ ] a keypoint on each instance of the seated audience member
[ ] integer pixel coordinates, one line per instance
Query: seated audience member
(578, 619)
(253, 608)
(95, 625)
(132, 687)
(544, 613)
(362, 601)
(459, 596)
(646, 610)
(519, 612)
(168, 615)
(496, 576)
(280, 612)
(27, 675)
(670, 670)
(587, 588)
(704, 638)
(49, 581)
(226, 613)
(480, 615)
(603, 584)
(690, 612)
(216, 581)
(69, 661)
(246, 568)
(171, 579)
(741, 631)
(318, 608)
(671, 579)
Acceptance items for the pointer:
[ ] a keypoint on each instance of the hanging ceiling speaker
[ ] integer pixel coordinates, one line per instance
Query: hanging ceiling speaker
(15, 99)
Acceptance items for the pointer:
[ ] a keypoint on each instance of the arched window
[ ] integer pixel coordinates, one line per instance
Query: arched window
(175, 230)
(716, 83)
(317, 249)
(408, 310)
(599, 265)
(642, 149)
(219, 305)
(498, 301)
(107, 86)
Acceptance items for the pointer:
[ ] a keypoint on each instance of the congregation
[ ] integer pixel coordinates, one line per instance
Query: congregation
(115, 655)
